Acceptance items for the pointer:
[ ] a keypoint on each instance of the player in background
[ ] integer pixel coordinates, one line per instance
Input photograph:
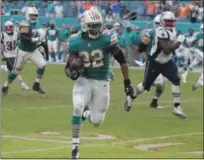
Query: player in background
(91, 92)
(28, 50)
(52, 40)
(160, 62)
(197, 60)
(189, 46)
(9, 42)
(147, 44)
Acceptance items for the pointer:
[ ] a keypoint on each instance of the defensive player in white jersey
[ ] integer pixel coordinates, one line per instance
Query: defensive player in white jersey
(28, 50)
(146, 44)
(160, 62)
(89, 65)
(197, 60)
(9, 41)
(189, 46)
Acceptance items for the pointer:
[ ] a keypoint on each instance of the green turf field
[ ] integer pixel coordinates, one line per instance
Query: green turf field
(39, 126)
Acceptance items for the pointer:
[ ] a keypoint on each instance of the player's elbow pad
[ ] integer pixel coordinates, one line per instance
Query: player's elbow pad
(142, 47)
(24, 37)
(120, 57)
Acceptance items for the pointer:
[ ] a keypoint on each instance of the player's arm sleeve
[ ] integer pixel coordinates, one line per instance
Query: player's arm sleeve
(164, 42)
(145, 40)
(116, 51)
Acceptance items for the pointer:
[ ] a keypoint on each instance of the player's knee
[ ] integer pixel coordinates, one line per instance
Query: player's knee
(176, 82)
(16, 71)
(78, 110)
(42, 65)
(98, 118)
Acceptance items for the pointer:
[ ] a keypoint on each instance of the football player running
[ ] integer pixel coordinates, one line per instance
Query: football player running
(160, 62)
(28, 50)
(146, 44)
(92, 47)
(197, 60)
(9, 41)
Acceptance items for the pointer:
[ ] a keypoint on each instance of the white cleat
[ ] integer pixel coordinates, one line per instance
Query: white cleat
(24, 86)
(178, 112)
(184, 78)
(139, 63)
(128, 103)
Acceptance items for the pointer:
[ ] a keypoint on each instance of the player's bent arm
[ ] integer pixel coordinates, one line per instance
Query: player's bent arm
(120, 57)
(145, 41)
(168, 46)
(73, 72)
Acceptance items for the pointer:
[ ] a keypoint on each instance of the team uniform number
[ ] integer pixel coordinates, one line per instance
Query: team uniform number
(94, 59)
(11, 45)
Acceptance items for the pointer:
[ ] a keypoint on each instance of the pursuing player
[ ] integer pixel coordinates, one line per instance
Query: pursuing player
(197, 60)
(146, 44)
(160, 62)
(92, 48)
(9, 41)
(28, 50)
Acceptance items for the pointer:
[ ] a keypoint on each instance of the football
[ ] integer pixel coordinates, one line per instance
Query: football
(76, 64)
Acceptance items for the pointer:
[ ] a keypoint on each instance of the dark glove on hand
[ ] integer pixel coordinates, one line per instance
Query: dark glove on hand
(128, 88)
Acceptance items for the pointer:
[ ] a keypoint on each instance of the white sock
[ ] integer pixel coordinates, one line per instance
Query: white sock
(75, 142)
(37, 80)
(6, 84)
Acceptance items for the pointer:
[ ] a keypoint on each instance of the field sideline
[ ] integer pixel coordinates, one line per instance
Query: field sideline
(39, 126)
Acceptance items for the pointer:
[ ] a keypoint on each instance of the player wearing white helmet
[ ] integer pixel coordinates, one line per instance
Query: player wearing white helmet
(29, 40)
(9, 41)
(197, 60)
(88, 64)
(146, 45)
(160, 62)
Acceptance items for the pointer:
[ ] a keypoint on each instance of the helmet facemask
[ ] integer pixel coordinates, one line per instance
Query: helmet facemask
(93, 30)
(169, 24)
(33, 17)
(8, 27)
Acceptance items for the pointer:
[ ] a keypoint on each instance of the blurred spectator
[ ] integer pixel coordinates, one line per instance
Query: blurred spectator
(24, 9)
(109, 17)
(183, 11)
(50, 9)
(2, 10)
(141, 9)
(151, 8)
(194, 12)
(64, 33)
(130, 45)
(200, 12)
(59, 10)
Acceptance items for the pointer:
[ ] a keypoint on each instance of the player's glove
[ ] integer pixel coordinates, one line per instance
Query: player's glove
(73, 73)
(128, 88)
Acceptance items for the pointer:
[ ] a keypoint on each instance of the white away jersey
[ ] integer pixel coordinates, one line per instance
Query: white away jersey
(155, 52)
(9, 43)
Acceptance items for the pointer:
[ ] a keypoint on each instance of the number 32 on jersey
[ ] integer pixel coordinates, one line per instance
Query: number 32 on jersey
(93, 59)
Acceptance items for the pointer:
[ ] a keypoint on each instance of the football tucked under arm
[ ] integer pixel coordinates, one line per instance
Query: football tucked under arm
(74, 67)
(166, 45)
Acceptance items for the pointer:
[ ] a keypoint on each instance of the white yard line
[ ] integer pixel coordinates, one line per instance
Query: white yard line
(93, 145)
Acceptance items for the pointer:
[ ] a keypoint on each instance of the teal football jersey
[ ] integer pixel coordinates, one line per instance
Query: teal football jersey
(29, 46)
(52, 34)
(199, 42)
(95, 53)
(149, 33)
